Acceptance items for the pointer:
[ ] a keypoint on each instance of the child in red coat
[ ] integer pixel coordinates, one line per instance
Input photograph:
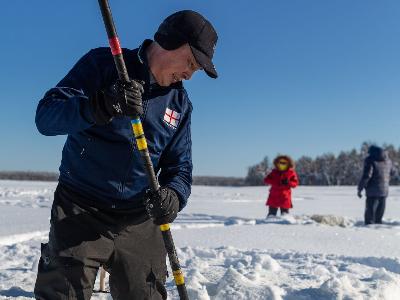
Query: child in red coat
(282, 179)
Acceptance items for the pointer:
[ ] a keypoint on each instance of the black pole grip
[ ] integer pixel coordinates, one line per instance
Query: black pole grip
(113, 40)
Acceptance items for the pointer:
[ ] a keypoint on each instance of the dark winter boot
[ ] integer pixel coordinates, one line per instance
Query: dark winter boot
(284, 211)
(272, 211)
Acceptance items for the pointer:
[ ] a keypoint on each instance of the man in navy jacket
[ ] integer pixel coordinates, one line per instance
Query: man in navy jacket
(98, 215)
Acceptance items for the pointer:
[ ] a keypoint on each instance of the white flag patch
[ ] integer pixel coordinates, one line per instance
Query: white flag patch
(172, 118)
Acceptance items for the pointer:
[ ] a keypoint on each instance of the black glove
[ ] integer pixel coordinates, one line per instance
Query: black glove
(121, 99)
(162, 206)
(285, 181)
(359, 194)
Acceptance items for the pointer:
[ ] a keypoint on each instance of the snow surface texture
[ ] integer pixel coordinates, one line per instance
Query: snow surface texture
(228, 250)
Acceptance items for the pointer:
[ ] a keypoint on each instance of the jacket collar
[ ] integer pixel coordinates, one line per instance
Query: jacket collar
(140, 68)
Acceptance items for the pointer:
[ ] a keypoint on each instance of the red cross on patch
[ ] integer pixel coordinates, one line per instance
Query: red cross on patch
(172, 118)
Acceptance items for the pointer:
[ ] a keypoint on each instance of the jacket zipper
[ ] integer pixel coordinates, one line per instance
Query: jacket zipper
(123, 183)
(133, 148)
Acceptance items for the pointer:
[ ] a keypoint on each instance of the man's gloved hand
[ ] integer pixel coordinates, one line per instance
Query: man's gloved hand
(121, 99)
(162, 206)
(359, 194)
(285, 181)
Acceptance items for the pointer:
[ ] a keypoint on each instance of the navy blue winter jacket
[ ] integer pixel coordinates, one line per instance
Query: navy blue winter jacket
(376, 175)
(103, 162)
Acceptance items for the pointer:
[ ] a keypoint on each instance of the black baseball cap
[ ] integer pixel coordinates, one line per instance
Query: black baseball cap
(190, 27)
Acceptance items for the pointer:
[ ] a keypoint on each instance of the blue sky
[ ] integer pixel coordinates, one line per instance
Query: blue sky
(296, 77)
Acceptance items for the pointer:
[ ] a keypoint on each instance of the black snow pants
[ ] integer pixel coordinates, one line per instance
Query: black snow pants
(374, 210)
(82, 238)
(272, 211)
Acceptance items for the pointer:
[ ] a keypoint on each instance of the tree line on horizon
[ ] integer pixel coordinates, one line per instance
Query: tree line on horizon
(53, 176)
(328, 169)
(28, 175)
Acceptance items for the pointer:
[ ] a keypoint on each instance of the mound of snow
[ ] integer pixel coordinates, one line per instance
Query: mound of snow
(330, 220)
(235, 286)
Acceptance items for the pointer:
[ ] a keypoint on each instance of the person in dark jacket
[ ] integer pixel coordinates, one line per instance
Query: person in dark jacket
(281, 179)
(375, 180)
(102, 213)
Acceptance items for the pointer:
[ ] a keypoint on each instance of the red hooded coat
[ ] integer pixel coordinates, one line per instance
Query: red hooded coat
(280, 195)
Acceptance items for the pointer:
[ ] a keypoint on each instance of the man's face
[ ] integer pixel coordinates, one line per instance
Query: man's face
(174, 65)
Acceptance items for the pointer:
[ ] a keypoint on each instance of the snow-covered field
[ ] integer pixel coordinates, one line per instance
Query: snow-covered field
(229, 251)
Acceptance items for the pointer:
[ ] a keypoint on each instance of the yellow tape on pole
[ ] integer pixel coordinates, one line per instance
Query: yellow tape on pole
(141, 143)
(179, 279)
(137, 129)
(164, 227)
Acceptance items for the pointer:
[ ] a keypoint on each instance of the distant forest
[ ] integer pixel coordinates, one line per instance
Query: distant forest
(52, 176)
(326, 169)
(28, 175)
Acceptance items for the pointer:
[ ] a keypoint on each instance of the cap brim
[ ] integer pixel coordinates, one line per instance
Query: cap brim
(205, 62)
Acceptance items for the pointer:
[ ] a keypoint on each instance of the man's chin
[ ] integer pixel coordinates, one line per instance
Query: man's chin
(164, 83)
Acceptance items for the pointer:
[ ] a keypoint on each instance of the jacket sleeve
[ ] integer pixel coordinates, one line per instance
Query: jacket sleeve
(293, 180)
(393, 170)
(65, 109)
(270, 179)
(367, 174)
(176, 162)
